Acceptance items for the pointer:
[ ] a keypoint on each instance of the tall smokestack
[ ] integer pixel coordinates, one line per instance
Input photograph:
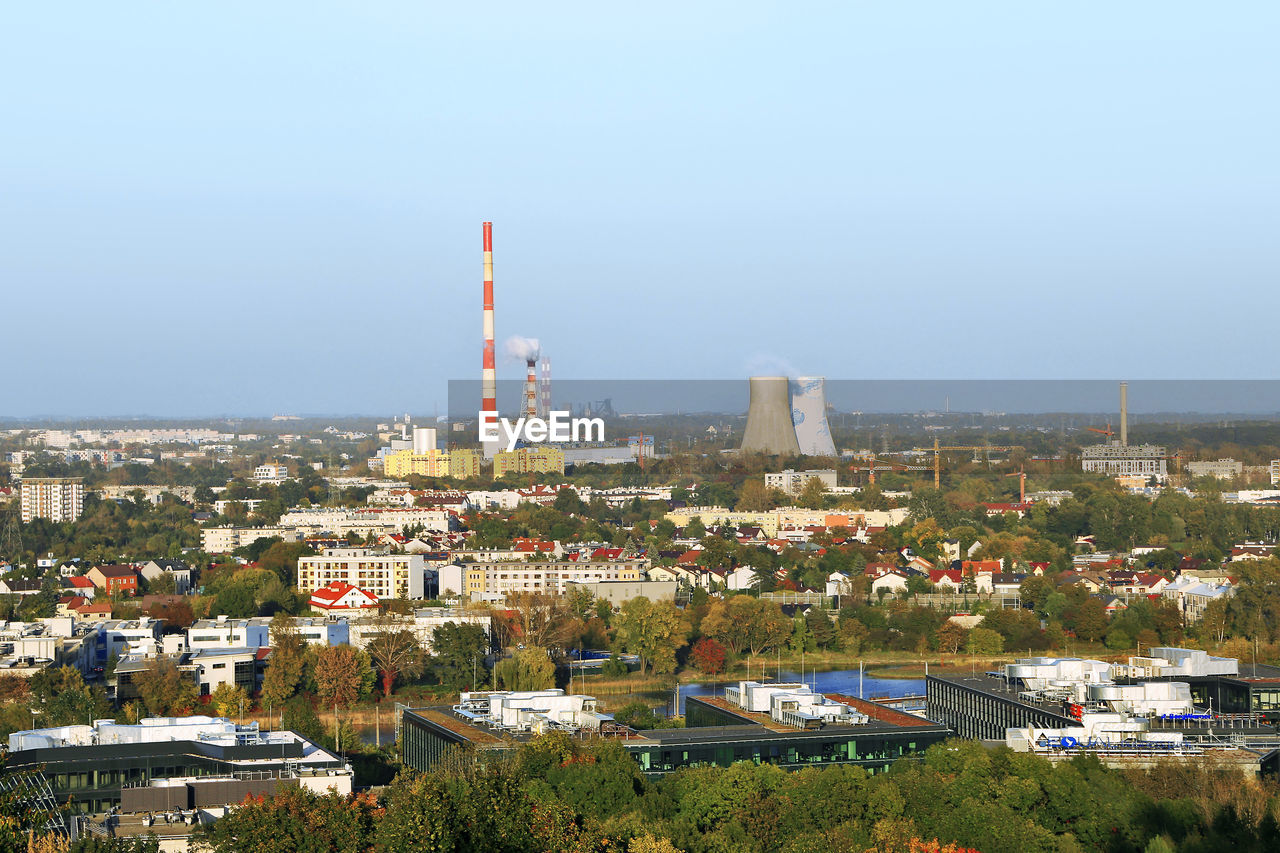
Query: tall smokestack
(489, 380)
(1124, 414)
(546, 387)
(531, 388)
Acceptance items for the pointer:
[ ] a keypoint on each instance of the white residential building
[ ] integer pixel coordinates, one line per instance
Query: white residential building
(384, 575)
(222, 632)
(221, 540)
(271, 473)
(153, 570)
(1223, 469)
(493, 581)
(793, 482)
(1193, 595)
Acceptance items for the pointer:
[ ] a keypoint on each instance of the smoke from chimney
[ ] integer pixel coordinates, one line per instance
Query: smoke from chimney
(522, 349)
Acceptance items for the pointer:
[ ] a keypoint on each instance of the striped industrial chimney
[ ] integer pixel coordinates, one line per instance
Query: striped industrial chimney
(545, 388)
(489, 383)
(531, 387)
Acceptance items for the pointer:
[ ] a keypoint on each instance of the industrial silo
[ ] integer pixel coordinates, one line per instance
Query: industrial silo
(769, 429)
(809, 416)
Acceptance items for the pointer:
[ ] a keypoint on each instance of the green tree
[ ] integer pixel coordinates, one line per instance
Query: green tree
(638, 715)
(457, 654)
(229, 700)
(984, 641)
(821, 627)
(654, 630)
(295, 820)
(164, 689)
(813, 495)
(287, 663)
(1118, 640)
(527, 669)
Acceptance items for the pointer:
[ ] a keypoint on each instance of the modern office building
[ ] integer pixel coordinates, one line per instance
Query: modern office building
(59, 499)
(792, 727)
(1176, 689)
(168, 763)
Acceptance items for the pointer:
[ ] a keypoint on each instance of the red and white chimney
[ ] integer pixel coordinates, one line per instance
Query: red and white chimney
(489, 381)
(531, 388)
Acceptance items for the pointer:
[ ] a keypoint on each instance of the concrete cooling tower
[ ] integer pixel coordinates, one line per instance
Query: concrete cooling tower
(809, 416)
(769, 428)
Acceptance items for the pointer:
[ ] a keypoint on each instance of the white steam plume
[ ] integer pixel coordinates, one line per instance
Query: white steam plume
(523, 349)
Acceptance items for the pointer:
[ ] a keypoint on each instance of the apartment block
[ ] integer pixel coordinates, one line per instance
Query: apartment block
(384, 575)
(58, 499)
(494, 581)
(529, 460)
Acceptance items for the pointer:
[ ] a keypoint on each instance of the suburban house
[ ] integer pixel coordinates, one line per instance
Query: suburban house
(112, 579)
(1193, 595)
(946, 580)
(342, 597)
(893, 582)
(179, 570)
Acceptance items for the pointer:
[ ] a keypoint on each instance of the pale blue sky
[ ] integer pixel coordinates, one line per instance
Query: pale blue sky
(242, 207)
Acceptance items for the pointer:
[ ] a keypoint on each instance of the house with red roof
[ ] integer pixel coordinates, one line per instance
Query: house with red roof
(93, 612)
(946, 580)
(342, 597)
(919, 564)
(982, 567)
(81, 586)
(876, 570)
(68, 604)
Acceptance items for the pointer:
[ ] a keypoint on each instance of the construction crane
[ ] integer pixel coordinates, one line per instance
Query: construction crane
(937, 454)
(875, 466)
(1108, 432)
(1021, 474)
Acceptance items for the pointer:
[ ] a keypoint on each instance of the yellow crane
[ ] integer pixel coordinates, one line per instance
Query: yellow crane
(883, 465)
(938, 449)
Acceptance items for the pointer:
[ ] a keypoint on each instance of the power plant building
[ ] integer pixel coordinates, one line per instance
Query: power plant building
(769, 426)
(809, 416)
